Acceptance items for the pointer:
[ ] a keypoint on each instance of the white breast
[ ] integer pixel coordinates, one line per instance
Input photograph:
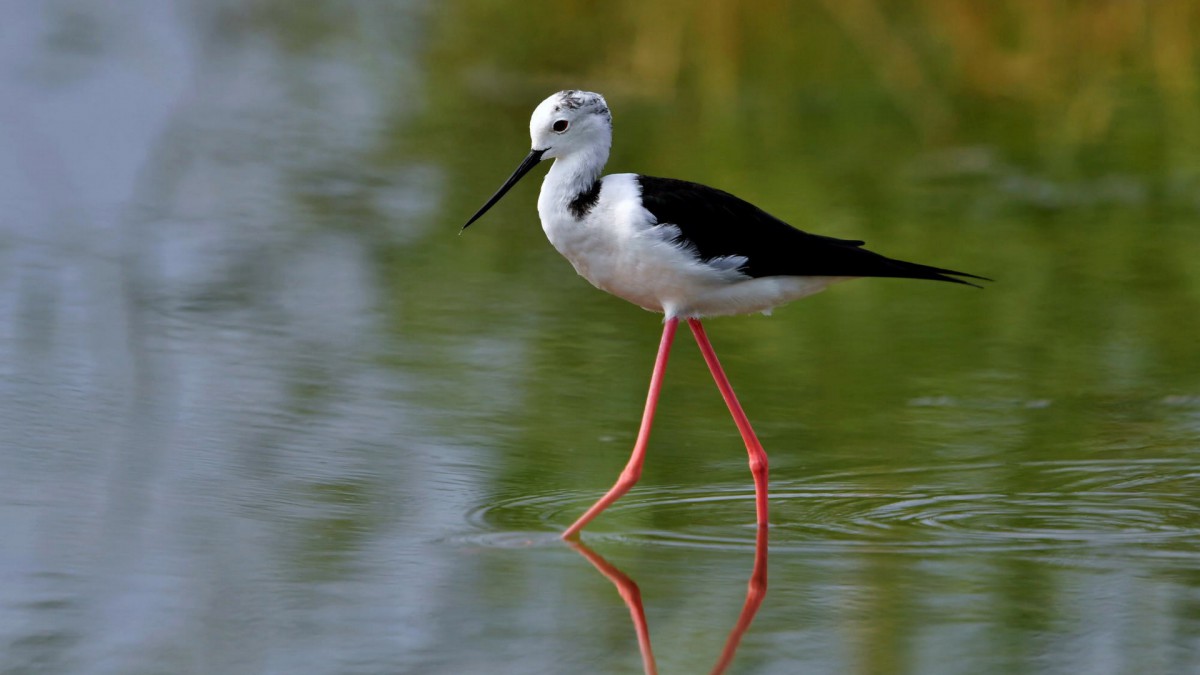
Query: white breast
(618, 247)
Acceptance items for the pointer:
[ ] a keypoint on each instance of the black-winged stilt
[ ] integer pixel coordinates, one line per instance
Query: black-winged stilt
(679, 248)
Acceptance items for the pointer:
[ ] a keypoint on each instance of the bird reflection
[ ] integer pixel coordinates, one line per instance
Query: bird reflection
(756, 590)
(632, 596)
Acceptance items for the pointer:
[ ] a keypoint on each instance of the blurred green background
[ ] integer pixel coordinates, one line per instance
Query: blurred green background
(264, 410)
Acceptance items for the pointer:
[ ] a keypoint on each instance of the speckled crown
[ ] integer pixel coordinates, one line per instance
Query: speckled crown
(588, 101)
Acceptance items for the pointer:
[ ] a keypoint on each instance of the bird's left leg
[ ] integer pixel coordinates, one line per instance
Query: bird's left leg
(633, 469)
(758, 456)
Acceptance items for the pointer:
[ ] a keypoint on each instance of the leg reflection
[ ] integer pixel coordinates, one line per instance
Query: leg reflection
(632, 596)
(755, 592)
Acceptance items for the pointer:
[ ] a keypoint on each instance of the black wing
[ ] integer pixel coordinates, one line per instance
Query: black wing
(716, 224)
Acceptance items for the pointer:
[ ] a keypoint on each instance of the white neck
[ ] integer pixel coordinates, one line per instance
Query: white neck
(571, 175)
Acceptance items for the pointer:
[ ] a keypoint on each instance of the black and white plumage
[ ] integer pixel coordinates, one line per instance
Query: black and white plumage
(715, 224)
(679, 248)
(672, 246)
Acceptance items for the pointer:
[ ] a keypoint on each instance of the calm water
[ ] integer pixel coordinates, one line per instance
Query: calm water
(263, 411)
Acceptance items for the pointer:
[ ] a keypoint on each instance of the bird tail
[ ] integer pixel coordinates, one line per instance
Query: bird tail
(908, 270)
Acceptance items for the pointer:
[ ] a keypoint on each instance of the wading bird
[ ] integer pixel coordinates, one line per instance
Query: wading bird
(679, 248)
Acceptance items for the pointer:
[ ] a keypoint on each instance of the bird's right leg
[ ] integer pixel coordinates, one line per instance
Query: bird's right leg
(633, 470)
(758, 456)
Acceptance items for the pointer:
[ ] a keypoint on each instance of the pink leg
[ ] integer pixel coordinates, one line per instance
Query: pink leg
(758, 456)
(633, 470)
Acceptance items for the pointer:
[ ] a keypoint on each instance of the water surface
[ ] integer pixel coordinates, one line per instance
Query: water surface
(263, 410)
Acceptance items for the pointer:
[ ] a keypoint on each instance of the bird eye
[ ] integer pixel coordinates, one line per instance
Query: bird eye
(560, 126)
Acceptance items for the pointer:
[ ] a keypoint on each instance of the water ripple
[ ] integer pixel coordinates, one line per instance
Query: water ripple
(1139, 508)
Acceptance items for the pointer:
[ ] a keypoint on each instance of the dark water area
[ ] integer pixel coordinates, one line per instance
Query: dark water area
(262, 410)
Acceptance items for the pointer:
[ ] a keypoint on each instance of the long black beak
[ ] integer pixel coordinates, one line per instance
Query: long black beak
(528, 163)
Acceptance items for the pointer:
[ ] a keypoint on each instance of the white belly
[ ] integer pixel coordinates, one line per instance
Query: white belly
(617, 248)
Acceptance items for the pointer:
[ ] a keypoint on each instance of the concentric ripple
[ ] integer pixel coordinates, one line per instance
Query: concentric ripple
(1142, 508)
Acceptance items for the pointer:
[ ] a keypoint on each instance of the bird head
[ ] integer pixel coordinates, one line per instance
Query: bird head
(568, 123)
